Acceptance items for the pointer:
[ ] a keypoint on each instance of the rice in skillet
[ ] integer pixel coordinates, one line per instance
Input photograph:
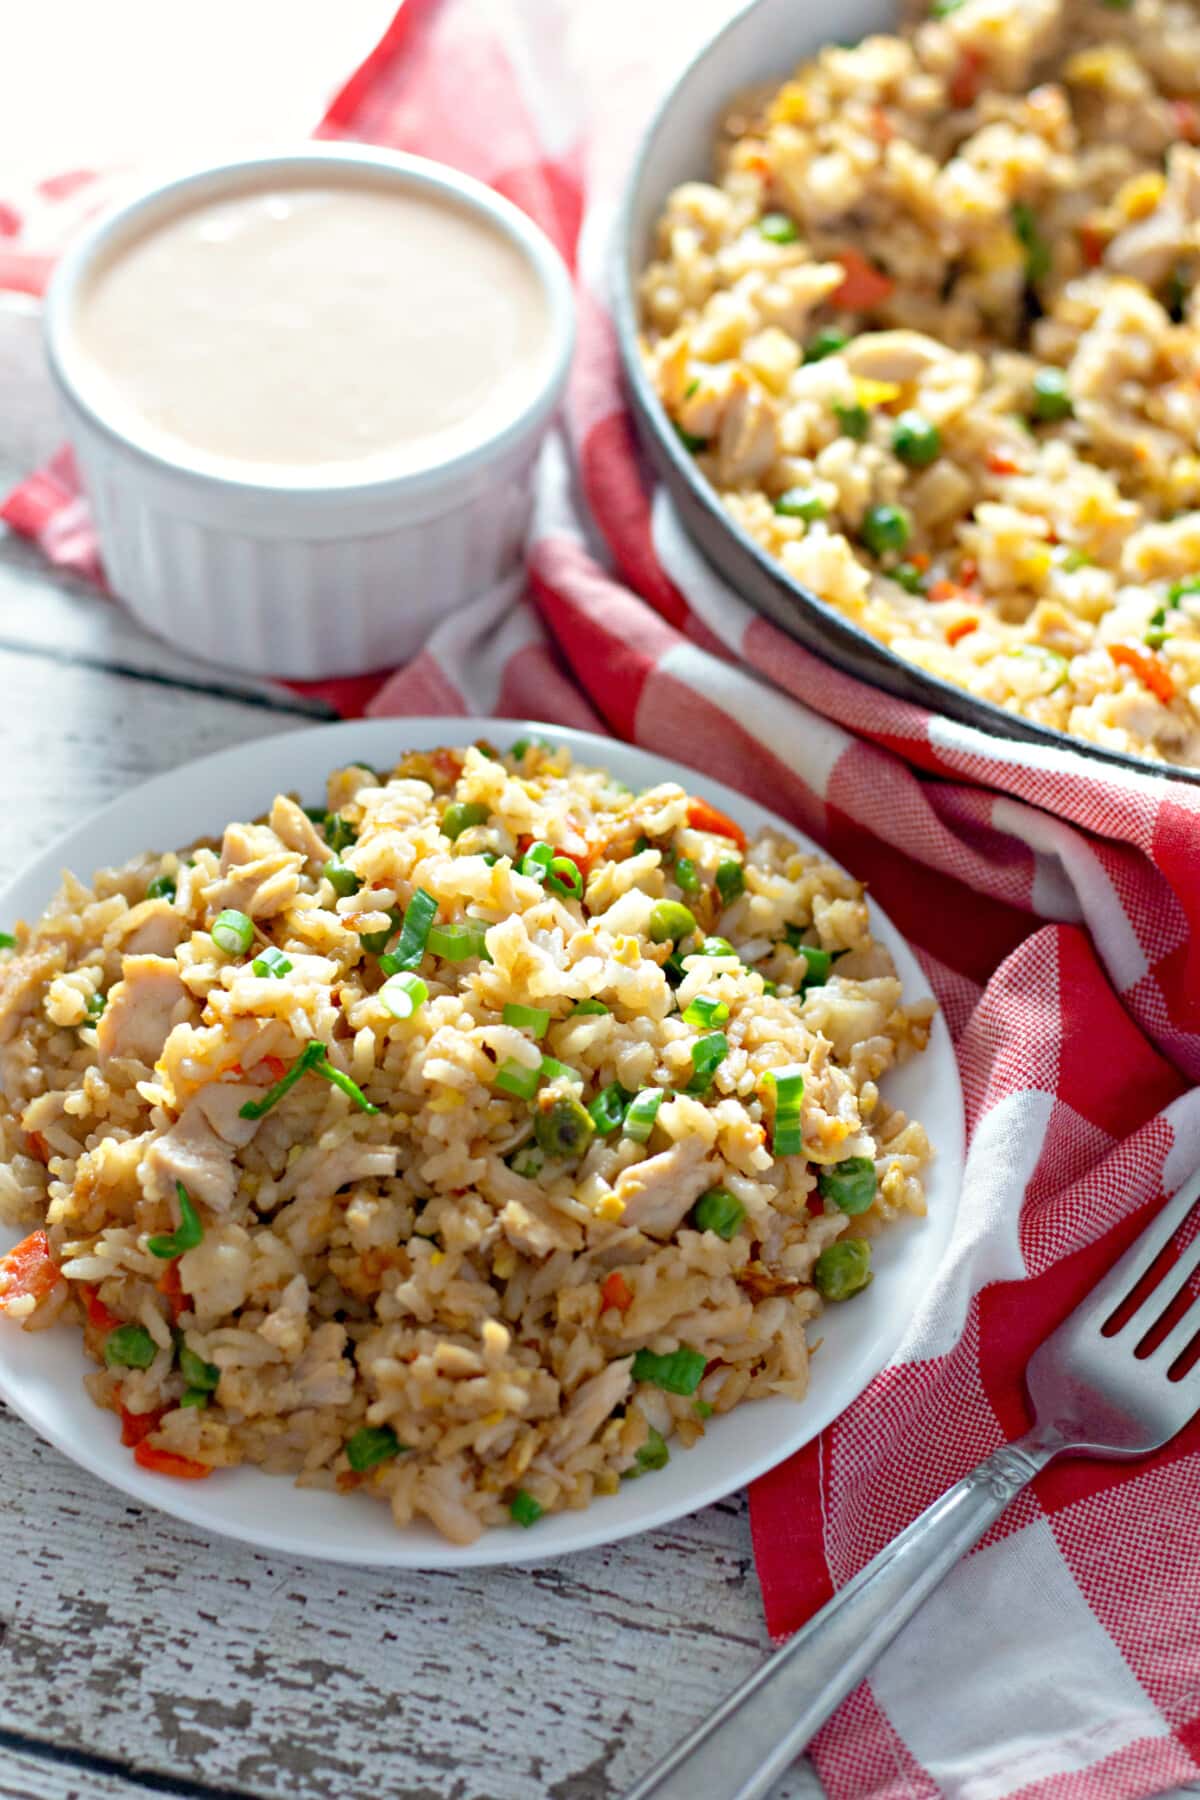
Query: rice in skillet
(426, 1144)
(933, 333)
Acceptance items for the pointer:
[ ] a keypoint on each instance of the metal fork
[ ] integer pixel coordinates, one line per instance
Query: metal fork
(1092, 1395)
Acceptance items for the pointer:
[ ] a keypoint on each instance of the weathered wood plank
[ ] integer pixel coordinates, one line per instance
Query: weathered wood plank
(135, 1638)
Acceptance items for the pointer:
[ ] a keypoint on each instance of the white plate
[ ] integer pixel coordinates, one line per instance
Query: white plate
(41, 1372)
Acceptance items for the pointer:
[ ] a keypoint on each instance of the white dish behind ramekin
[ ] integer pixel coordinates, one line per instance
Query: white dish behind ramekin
(279, 574)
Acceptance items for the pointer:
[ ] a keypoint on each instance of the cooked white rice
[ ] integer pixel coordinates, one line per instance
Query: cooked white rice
(440, 1298)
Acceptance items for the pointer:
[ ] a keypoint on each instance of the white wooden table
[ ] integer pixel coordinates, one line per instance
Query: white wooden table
(138, 1656)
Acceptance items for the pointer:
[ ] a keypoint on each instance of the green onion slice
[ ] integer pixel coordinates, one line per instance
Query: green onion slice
(789, 1094)
(339, 833)
(325, 1069)
(582, 1008)
(232, 932)
(402, 994)
(7, 941)
(96, 1004)
(731, 881)
(535, 1019)
(307, 1059)
(272, 961)
(458, 941)
(161, 888)
(556, 1071)
(708, 1053)
(677, 1373)
(652, 1455)
(419, 915)
(536, 861)
(194, 1397)
(524, 1509)
(189, 1234)
(704, 1011)
(563, 877)
(376, 942)
(461, 815)
(528, 1161)
(370, 1445)
(642, 1112)
(850, 1184)
(718, 1211)
(608, 1108)
(514, 1078)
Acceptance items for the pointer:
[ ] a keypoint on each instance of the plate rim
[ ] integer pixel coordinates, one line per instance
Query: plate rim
(718, 536)
(496, 1546)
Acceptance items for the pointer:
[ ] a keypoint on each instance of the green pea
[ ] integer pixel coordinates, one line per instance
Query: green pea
(801, 503)
(825, 343)
(563, 1127)
(719, 1211)
(843, 1269)
(670, 921)
(717, 946)
(341, 877)
(886, 528)
(1051, 396)
(909, 577)
(161, 888)
(916, 440)
(196, 1372)
(777, 228)
(370, 1445)
(850, 1184)
(129, 1347)
(854, 420)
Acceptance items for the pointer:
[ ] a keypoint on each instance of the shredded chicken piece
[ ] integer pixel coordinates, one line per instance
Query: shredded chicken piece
(658, 1192)
(192, 1153)
(153, 928)
(293, 827)
(590, 1405)
(142, 1007)
(21, 979)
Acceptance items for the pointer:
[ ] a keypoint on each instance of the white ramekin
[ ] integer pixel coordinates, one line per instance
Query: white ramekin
(275, 574)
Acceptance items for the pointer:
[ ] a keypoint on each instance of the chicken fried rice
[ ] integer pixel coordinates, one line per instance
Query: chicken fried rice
(934, 336)
(470, 1139)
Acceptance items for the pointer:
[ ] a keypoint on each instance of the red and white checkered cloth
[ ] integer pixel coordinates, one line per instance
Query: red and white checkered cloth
(1055, 905)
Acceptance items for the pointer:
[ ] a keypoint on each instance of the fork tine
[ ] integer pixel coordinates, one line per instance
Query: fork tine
(1125, 1274)
(1179, 1336)
(1161, 1296)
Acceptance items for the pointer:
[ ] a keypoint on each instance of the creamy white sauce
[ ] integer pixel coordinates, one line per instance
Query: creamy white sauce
(332, 322)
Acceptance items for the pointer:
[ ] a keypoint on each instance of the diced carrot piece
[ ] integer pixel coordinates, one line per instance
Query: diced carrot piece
(863, 285)
(171, 1284)
(275, 1066)
(98, 1314)
(1092, 242)
(1000, 463)
(165, 1462)
(967, 79)
(882, 129)
(1186, 118)
(447, 765)
(919, 560)
(1148, 669)
(136, 1426)
(961, 629)
(968, 572)
(38, 1146)
(31, 1270)
(703, 817)
(616, 1292)
(946, 590)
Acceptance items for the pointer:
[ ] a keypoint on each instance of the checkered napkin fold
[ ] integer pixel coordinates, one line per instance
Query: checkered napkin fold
(1054, 904)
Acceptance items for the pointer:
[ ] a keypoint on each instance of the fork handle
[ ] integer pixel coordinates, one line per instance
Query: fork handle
(745, 1746)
